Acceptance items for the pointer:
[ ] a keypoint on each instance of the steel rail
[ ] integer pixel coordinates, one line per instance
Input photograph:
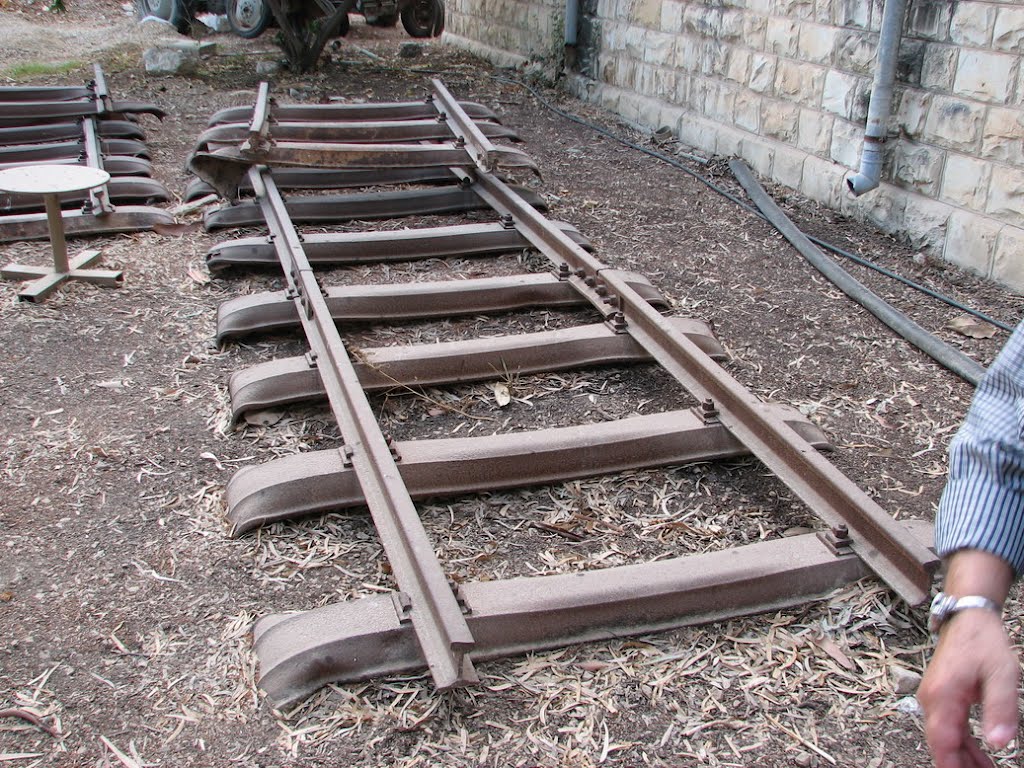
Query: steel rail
(19, 113)
(340, 132)
(407, 110)
(375, 247)
(318, 481)
(333, 178)
(370, 205)
(56, 132)
(362, 638)
(99, 198)
(291, 380)
(903, 564)
(124, 218)
(441, 629)
(115, 165)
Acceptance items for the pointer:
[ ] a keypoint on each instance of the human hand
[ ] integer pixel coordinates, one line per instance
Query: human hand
(973, 663)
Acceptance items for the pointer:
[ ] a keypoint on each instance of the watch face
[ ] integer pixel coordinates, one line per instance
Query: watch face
(941, 607)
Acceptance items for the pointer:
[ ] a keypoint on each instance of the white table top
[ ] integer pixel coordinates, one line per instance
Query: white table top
(51, 179)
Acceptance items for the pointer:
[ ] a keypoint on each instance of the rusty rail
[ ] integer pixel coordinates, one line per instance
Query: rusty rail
(344, 642)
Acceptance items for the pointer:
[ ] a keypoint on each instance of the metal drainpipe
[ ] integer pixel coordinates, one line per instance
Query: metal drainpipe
(572, 19)
(881, 99)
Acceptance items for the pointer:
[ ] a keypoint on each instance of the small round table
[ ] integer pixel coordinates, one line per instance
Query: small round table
(51, 181)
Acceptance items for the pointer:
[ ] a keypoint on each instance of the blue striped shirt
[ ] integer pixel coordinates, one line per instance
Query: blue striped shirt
(982, 506)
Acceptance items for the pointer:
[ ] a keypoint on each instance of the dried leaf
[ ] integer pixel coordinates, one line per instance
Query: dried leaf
(176, 230)
(829, 646)
(501, 394)
(972, 327)
(198, 277)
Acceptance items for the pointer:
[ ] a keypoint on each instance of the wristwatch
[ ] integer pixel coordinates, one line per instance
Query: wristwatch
(944, 606)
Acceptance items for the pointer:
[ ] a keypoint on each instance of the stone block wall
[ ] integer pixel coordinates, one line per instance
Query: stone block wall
(785, 85)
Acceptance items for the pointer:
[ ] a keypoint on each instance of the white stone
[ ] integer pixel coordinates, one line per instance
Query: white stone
(855, 50)
(780, 120)
(925, 222)
(954, 123)
(733, 22)
(840, 94)
(909, 705)
(903, 680)
(939, 67)
(782, 36)
(759, 155)
(1008, 259)
(814, 132)
(918, 167)
(1008, 34)
(698, 133)
(1003, 136)
(985, 76)
(659, 48)
(965, 181)
(169, 61)
(729, 142)
(755, 29)
(854, 13)
(972, 24)
(788, 167)
(817, 43)
(970, 241)
(822, 181)
(1006, 195)
(266, 68)
(847, 140)
(672, 16)
(649, 112)
(737, 68)
(912, 111)
(762, 73)
(720, 104)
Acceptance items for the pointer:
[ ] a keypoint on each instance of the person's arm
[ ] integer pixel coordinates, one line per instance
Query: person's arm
(973, 663)
(979, 529)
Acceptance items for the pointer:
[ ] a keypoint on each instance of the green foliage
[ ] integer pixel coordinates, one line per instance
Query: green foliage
(37, 69)
(57, 6)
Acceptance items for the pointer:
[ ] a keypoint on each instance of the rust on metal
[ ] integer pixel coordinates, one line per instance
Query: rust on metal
(365, 638)
(408, 110)
(319, 481)
(373, 247)
(292, 380)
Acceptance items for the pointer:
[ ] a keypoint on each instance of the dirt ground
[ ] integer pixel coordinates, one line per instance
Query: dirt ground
(126, 610)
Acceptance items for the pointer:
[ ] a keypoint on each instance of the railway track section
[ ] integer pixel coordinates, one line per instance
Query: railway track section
(79, 125)
(446, 150)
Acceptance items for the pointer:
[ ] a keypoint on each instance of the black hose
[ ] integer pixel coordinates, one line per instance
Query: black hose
(746, 206)
(938, 350)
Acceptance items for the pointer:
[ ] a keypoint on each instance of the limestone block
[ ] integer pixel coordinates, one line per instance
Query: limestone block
(635, 42)
(672, 16)
(609, 98)
(782, 36)
(847, 140)
(755, 29)
(910, 61)
(688, 53)
(918, 167)
(985, 76)
(645, 76)
(939, 67)
(614, 36)
(788, 167)
(824, 12)
(1008, 32)
(712, 57)
(659, 48)
(1008, 259)
(925, 221)
(780, 120)
(1003, 136)
(972, 24)
(884, 207)
(699, 19)
(719, 103)
(732, 26)
(737, 67)
(795, 9)
(855, 51)
(748, 112)
(629, 106)
(843, 94)
(170, 60)
(649, 112)
(814, 132)
(1006, 195)
(970, 241)
(665, 83)
(816, 43)
(801, 82)
(698, 133)
(965, 181)
(929, 19)
(853, 13)
(729, 141)
(763, 7)
(822, 181)
(672, 116)
(762, 72)
(759, 155)
(911, 110)
(647, 13)
(954, 123)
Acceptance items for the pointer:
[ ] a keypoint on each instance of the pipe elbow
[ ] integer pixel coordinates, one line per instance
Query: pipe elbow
(859, 183)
